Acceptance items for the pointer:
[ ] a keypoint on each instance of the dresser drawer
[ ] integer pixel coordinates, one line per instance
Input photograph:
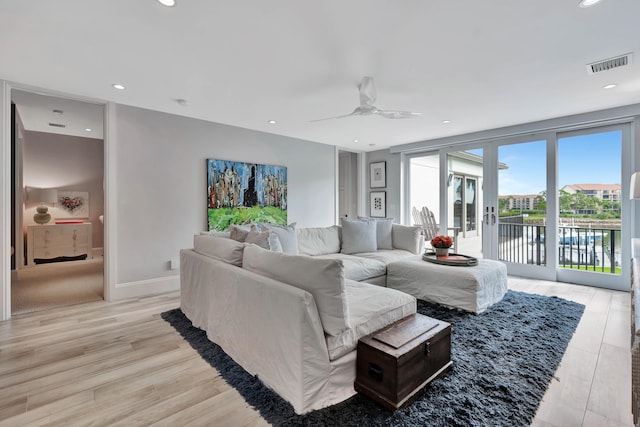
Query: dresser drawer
(53, 236)
(58, 251)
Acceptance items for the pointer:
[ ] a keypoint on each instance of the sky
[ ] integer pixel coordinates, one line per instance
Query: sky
(586, 159)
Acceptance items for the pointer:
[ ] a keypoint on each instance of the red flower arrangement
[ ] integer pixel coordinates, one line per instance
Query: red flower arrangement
(441, 242)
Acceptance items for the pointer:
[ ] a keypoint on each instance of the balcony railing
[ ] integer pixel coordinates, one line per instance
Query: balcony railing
(592, 249)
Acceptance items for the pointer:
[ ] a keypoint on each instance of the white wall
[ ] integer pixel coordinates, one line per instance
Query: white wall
(160, 195)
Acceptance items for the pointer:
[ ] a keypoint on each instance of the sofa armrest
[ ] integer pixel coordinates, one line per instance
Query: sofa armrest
(407, 237)
(271, 329)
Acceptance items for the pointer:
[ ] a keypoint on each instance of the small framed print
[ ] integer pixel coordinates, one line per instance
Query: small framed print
(378, 206)
(378, 174)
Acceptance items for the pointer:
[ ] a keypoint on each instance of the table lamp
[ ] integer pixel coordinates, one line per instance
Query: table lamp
(42, 196)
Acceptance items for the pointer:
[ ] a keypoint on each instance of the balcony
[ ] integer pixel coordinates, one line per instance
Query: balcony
(581, 248)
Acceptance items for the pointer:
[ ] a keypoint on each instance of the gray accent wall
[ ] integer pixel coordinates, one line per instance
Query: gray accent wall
(160, 195)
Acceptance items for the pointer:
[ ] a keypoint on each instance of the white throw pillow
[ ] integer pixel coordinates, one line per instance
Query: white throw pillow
(407, 237)
(319, 241)
(286, 234)
(359, 235)
(383, 232)
(220, 248)
(322, 278)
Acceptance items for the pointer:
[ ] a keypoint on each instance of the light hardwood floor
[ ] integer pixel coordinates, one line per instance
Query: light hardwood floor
(120, 364)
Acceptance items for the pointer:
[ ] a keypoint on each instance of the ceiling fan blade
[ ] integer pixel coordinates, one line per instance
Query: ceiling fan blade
(367, 91)
(391, 114)
(336, 117)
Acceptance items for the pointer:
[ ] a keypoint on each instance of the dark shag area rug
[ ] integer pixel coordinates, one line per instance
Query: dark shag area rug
(504, 359)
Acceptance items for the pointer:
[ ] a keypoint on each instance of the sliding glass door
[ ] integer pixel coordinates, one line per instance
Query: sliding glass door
(549, 205)
(592, 210)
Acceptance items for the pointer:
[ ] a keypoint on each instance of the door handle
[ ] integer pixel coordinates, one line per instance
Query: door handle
(493, 216)
(486, 215)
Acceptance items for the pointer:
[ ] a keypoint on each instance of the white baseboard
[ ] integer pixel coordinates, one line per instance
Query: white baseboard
(97, 252)
(145, 287)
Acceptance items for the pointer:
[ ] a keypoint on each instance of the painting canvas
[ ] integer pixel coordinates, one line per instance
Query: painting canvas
(243, 193)
(73, 204)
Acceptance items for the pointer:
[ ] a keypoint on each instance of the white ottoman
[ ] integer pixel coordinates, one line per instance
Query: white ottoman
(468, 288)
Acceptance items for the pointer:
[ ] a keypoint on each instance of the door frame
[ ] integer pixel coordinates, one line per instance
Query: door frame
(109, 126)
(598, 279)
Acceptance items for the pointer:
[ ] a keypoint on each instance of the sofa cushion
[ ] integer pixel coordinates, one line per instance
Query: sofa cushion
(371, 308)
(358, 236)
(407, 237)
(257, 237)
(322, 278)
(239, 232)
(286, 234)
(357, 267)
(319, 241)
(387, 256)
(220, 248)
(383, 231)
(216, 233)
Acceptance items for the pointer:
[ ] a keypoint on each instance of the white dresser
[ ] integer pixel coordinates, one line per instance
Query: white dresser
(58, 240)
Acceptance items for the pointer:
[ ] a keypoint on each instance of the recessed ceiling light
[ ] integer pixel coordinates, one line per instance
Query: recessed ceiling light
(118, 86)
(355, 140)
(446, 122)
(588, 3)
(169, 3)
(272, 122)
(182, 102)
(609, 86)
(87, 129)
(55, 111)
(372, 145)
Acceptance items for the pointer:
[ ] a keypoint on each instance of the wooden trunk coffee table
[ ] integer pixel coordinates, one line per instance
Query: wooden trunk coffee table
(397, 362)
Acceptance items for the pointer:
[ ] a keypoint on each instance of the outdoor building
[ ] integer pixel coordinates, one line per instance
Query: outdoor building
(519, 202)
(610, 192)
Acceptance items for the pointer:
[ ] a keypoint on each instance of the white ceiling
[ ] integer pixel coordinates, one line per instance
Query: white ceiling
(42, 113)
(481, 65)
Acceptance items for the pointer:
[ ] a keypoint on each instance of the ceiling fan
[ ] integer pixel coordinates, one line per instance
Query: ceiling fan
(367, 97)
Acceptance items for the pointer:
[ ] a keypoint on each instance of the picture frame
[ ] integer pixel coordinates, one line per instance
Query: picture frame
(378, 174)
(73, 205)
(244, 193)
(378, 204)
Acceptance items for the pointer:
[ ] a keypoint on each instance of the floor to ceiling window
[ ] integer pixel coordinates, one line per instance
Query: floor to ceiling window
(548, 205)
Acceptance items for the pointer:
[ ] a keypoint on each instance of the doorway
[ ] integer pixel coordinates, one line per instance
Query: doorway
(57, 201)
(347, 184)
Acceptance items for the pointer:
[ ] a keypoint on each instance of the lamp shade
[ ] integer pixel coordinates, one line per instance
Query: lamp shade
(634, 189)
(42, 195)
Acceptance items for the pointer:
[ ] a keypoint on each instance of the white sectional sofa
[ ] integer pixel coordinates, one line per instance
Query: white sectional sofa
(294, 320)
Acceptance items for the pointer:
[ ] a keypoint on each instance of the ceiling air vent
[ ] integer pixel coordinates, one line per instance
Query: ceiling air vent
(610, 64)
(57, 125)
